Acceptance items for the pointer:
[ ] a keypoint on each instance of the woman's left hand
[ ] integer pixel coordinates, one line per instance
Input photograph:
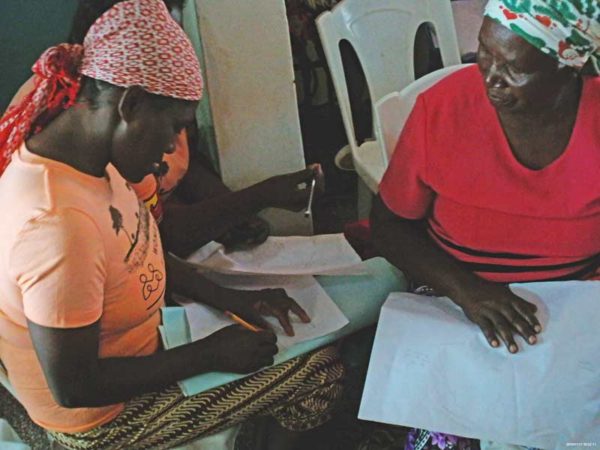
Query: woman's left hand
(252, 305)
(292, 190)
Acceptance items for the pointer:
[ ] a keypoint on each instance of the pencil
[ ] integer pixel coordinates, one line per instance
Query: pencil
(310, 197)
(237, 319)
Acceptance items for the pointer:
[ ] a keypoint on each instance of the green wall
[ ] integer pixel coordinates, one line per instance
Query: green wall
(27, 28)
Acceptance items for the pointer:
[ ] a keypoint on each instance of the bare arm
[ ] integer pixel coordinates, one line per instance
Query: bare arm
(199, 182)
(497, 311)
(69, 356)
(78, 378)
(185, 227)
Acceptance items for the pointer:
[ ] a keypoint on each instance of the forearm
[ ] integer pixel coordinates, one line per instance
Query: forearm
(184, 280)
(200, 183)
(492, 306)
(201, 180)
(78, 378)
(407, 246)
(186, 227)
(116, 380)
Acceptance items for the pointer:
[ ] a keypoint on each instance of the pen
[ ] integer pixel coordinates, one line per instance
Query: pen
(237, 319)
(310, 197)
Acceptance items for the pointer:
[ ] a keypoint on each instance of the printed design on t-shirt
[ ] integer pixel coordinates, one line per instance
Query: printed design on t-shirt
(152, 285)
(138, 240)
(117, 224)
(137, 256)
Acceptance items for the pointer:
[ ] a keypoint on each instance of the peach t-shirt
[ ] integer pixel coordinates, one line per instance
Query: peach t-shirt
(75, 249)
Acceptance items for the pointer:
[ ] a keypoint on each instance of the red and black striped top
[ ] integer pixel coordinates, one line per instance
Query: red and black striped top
(454, 167)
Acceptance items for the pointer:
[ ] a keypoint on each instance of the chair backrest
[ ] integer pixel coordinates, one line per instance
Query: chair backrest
(392, 110)
(382, 33)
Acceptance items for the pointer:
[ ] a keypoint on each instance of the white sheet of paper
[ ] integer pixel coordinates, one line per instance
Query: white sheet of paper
(325, 315)
(327, 254)
(431, 368)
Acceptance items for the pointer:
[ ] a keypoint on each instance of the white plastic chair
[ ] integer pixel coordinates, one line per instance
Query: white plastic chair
(382, 33)
(392, 110)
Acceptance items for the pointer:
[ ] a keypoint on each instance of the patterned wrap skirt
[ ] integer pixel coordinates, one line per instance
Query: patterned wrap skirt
(300, 394)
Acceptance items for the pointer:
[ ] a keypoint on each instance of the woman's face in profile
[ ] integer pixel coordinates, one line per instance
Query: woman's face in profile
(518, 77)
(149, 129)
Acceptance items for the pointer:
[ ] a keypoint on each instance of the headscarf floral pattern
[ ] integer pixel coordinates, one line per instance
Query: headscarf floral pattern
(568, 30)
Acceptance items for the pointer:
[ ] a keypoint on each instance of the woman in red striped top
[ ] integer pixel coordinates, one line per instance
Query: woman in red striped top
(496, 175)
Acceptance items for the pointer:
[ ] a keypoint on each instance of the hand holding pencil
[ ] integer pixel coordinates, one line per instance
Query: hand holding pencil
(237, 319)
(236, 349)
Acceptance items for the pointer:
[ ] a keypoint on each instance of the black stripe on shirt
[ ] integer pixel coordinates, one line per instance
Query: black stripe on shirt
(481, 253)
(591, 263)
(580, 274)
(501, 268)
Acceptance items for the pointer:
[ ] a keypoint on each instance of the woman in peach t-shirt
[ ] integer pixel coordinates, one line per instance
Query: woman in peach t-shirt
(82, 274)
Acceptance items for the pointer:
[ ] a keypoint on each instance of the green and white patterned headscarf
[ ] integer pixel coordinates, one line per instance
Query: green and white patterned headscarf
(568, 30)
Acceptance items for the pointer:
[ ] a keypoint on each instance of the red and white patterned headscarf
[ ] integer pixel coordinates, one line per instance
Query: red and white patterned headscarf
(135, 43)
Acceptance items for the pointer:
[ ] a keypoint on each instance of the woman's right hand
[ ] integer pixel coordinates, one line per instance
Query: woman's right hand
(500, 314)
(236, 349)
(291, 191)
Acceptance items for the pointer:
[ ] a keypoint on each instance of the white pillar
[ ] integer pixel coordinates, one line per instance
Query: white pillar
(250, 77)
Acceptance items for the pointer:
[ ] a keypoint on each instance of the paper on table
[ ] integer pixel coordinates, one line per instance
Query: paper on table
(327, 254)
(359, 297)
(325, 315)
(431, 368)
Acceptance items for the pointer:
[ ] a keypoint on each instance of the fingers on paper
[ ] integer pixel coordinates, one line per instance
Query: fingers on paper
(297, 309)
(488, 331)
